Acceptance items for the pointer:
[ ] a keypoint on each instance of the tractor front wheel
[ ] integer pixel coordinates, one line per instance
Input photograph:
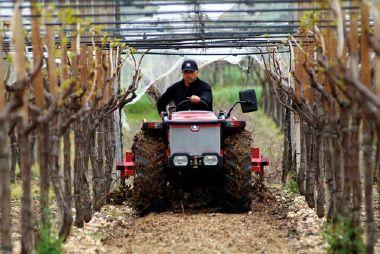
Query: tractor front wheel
(237, 172)
(150, 183)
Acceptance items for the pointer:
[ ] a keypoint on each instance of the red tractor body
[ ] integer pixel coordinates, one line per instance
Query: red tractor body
(189, 142)
(193, 121)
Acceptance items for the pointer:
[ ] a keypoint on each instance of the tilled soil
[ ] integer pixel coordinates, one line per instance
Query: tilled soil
(278, 223)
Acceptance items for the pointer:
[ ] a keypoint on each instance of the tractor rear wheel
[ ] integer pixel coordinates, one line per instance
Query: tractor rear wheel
(237, 172)
(150, 182)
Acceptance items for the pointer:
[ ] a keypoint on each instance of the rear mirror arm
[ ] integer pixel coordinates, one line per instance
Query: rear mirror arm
(238, 102)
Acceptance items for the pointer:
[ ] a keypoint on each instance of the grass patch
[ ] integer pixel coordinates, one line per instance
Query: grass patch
(16, 187)
(97, 235)
(16, 191)
(226, 95)
(35, 171)
(47, 243)
(230, 94)
(224, 74)
(144, 108)
(292, 185)
(114, 213)
(342, 238)
(267, 135)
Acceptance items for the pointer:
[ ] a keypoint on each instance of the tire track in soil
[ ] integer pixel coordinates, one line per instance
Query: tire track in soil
(278, 223)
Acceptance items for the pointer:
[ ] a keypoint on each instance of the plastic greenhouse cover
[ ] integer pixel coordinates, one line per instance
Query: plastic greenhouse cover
(164, 70)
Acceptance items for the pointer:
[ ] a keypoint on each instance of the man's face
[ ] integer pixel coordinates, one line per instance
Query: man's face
(189, 77)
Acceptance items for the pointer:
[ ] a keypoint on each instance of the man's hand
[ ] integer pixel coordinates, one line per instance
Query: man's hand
(195, 99)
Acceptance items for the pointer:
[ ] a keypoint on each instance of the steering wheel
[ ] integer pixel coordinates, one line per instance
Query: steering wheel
(189, 102)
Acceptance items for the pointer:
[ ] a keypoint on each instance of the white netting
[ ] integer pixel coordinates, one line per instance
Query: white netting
(163, 70)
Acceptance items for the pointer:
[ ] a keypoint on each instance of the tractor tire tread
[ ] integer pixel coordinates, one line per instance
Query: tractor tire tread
(237, 172)
(150, 183)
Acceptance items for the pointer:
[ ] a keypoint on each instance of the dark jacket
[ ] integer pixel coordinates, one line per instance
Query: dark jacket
(179, 92)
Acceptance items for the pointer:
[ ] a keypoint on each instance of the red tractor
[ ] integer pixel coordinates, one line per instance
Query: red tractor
(194, 151)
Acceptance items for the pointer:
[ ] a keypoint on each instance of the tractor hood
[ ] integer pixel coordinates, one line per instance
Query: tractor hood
(193, 116)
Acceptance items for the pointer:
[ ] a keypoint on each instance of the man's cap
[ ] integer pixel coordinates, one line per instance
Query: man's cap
(189, 65)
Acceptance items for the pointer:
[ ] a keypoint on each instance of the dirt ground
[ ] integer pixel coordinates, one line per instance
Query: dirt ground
(279, 222)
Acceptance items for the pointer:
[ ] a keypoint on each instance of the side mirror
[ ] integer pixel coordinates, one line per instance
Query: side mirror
(248, 100)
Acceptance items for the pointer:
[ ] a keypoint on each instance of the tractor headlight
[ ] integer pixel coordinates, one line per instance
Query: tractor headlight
(180, 160)
(210, 160)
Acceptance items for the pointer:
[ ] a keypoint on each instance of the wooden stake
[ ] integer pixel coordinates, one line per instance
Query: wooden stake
(377, 61)
(27, 241)
(5, 191)
(377, 91)
(19, 57)
(97, 76)
(108, 90)
(42, 129)
(52, 74)
(365, 75)
(2, 84)
(83, 71)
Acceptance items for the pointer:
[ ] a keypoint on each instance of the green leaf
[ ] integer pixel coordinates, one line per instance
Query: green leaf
(67, 16)
(64, 40)
(9, 59)
(71, 54)
(78, 92)
(57, 53)
(133, 51)
(97, 29)
(67, 83)
(37, 7)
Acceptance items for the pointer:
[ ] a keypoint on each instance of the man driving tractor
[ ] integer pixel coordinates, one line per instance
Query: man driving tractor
(193, 155)
(196, 93)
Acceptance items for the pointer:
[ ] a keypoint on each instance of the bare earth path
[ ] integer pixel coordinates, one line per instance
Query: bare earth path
(279, 222)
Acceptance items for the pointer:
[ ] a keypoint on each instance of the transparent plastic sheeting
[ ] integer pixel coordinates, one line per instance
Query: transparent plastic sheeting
(161, 71)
